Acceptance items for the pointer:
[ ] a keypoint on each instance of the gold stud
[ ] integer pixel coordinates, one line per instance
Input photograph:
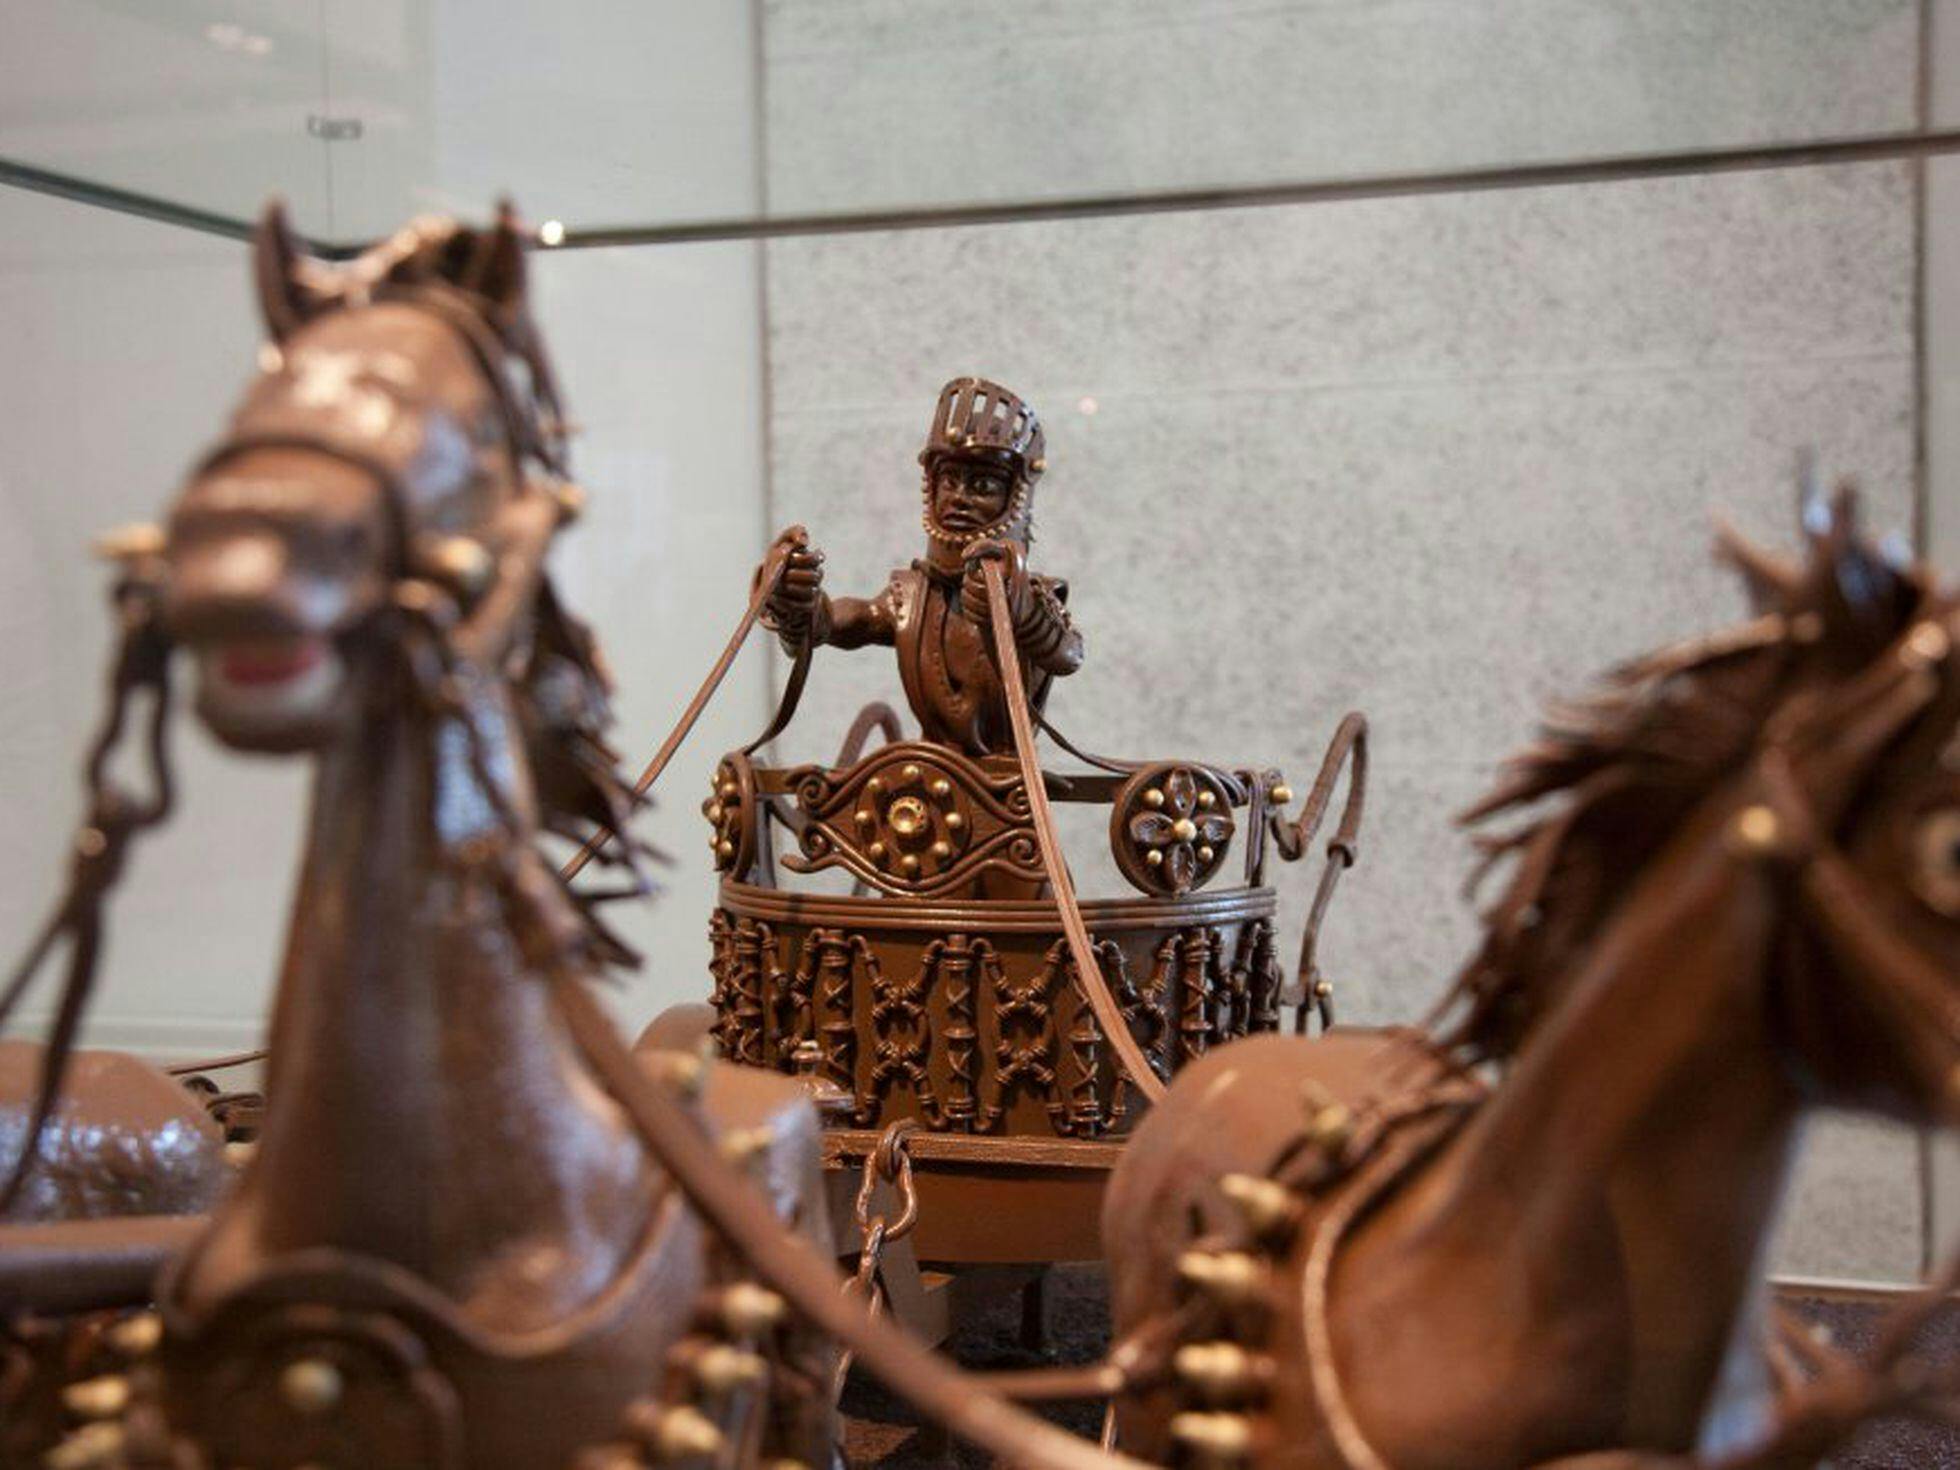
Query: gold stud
(93, 1445)
(1153, 797)
(725, 849)
(131, 543)
(461, 562)
(1213, 1436)
(1282, 794)
(1217, 1370)
(910, 771)
(1206, 854)
(721, 1369)
(942, 788)
(1323, 989)
(873, 786)
(730, 791)
(1228, 1275)
(954, 821)
(1926, 644)
(612, 1456)
(748, 1310)
(571, 500)
(684, 1433)
(745, 1147)
(97, 1398)
(1330, 1126)
(909, 864)
(716, 811)
(311, 1386)
(865, 816)
(685, 1071)
(1184, 829)
(1154, 857)
(1756, 830)
(1207, 799)
(136, 1336)
(1266, 1205)
(942, 850)
(877, 851)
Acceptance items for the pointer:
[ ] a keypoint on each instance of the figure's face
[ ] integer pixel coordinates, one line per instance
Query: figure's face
(970, 495)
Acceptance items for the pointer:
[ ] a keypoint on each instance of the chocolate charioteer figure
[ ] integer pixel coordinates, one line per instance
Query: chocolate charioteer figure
(981, 459)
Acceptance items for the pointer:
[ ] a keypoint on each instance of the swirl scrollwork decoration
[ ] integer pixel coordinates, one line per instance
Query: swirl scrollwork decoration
(912, 818)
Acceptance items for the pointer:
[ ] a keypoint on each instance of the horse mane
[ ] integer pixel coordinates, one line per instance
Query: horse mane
(1613, 774)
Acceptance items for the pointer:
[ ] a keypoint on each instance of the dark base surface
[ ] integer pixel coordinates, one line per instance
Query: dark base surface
(880, 1431)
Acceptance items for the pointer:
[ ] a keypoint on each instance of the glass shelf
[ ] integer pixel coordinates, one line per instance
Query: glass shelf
(622, 119)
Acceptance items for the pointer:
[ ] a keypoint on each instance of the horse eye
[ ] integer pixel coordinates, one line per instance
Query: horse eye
(1936, 860)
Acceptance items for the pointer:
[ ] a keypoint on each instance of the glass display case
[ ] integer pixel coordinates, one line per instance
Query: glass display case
(1392, 356)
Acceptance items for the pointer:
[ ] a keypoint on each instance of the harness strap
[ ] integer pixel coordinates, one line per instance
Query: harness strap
(768, 576)
(1089, 977)
(96, 861)
(1102, 762)
(1348, 751)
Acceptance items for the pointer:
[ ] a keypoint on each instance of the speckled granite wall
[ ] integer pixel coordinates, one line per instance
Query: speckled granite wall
(1439, 458)
(875, 103)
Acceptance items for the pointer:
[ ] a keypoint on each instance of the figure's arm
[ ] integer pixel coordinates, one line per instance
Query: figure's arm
(803, 615)
(1042, 627)
(852, 622)
(1043, 632)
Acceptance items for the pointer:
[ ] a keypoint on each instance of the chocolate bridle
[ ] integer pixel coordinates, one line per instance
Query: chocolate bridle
(439, 639)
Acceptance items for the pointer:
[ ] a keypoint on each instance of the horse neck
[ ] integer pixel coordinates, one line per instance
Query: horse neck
(1623, 1178)
(425, 1109)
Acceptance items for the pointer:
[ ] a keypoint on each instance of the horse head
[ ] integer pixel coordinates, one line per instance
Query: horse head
(1818, 743)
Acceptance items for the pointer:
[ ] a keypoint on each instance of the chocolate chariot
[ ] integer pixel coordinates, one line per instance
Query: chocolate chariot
(961, 988)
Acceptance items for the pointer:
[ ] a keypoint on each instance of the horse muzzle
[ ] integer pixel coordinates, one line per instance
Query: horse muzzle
(270, 638)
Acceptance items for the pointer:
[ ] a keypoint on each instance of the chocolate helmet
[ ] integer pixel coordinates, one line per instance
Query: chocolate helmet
(979, 419)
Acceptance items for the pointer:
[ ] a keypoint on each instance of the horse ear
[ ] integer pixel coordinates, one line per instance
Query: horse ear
(277, 261)
(1772, 582)
(1862, 597)
(496, 267)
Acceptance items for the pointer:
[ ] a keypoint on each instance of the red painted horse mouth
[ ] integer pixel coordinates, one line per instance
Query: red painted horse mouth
(256, 662)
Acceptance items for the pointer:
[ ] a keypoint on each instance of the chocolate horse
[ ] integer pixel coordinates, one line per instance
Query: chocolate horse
(1743, 904)
(126, 1139)
(452, 1247)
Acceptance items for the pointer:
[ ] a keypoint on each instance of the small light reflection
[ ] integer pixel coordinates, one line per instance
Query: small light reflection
(551, 232)
(1087, 405)
(227, 36)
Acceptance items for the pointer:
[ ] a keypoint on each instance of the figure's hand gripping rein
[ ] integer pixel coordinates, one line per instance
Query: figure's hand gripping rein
(797, 611)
